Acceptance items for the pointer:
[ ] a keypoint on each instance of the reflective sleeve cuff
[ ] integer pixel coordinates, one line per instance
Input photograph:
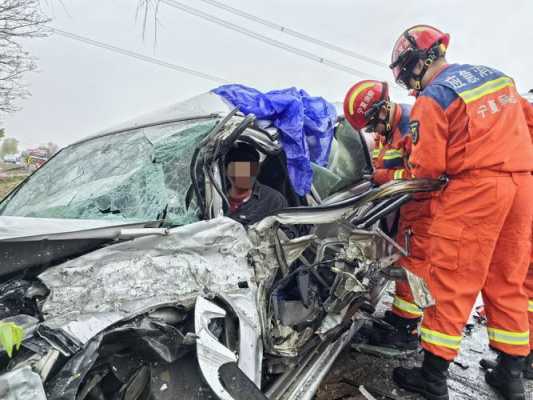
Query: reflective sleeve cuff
(399, 174)
(407, 307)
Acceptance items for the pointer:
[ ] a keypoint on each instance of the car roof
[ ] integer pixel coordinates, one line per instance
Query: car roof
(202, 106)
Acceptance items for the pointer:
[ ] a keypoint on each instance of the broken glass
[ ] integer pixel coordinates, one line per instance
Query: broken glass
(140, 174)
(347, 163)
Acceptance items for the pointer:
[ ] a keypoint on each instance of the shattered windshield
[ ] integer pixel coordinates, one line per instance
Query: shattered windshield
(347, 162)
(141, 174)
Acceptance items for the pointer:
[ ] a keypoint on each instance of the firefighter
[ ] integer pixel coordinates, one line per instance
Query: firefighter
(528, 285)
(468, 124)
(528, 368)
(367, 106)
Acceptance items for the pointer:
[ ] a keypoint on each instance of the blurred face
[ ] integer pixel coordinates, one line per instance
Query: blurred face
(242, 174)
(377, 125)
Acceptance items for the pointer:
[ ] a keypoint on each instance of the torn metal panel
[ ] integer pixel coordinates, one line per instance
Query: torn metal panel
(21, 384)
(295, 247)
(65, 384)
(421, 294)
(212, 354)
(40, 363)
(85, 327)
(303, 381)
(59, 340)
(250, 344)
(343, 208)
(331, 321)
(150, 339)
(131, 277)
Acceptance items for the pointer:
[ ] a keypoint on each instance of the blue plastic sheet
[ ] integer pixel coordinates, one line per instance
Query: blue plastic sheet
(306, 124)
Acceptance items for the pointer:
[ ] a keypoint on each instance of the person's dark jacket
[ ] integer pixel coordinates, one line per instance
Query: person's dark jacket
(263, 201)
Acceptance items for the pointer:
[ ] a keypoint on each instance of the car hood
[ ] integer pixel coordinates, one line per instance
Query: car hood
(126, 279)
(15, 229)
(37, 242)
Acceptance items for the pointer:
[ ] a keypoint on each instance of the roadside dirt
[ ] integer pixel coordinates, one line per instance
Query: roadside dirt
(10, 176)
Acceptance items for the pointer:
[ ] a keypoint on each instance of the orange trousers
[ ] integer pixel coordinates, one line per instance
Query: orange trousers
(414, 217)
(480, 240)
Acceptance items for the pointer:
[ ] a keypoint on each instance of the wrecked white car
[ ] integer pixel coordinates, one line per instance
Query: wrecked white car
(129, 282)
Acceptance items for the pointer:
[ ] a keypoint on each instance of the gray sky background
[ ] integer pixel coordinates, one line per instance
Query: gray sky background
(80, 90)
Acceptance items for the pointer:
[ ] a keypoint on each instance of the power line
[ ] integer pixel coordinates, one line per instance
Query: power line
(294, 33)
(138, 56)
(266, 39)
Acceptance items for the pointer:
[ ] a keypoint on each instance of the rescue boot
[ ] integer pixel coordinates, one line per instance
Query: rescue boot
(528, 367)
(506, 377)
(398, 333)
(429, 380)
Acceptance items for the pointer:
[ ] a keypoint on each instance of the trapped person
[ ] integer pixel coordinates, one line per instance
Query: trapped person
(367, 106)
(468, 124)
(249, 200)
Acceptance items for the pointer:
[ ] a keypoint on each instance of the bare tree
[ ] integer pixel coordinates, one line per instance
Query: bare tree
(146, 10)
(9, 146)
(19, 19)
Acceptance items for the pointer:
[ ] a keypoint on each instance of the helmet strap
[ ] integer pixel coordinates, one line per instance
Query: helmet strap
(430, 56)
(386, 121)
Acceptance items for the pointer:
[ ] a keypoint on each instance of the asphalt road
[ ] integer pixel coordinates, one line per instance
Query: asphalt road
(466, 378)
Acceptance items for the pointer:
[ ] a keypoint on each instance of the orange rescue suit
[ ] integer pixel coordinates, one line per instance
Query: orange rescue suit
(528, 111)
(390, 163)
(469, 124)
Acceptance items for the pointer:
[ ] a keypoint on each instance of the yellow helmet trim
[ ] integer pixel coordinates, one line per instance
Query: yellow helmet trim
(356, 92)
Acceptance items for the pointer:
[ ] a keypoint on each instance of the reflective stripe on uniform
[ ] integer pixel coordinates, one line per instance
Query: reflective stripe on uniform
(392, 154)
(407, 307)
(507, 337)
(440, 339)
(530, 306)
(487, 88)
(398, 174)
(375, 153)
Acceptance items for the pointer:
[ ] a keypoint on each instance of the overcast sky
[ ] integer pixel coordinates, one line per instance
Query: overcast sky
(80, 90)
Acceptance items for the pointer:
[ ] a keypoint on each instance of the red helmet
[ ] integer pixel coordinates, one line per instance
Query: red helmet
(363, 102)
(420, 42)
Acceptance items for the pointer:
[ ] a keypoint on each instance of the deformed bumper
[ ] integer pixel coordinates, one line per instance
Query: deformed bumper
(212, 354)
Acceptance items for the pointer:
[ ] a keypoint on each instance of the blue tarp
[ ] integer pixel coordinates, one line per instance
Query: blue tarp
(306, 124)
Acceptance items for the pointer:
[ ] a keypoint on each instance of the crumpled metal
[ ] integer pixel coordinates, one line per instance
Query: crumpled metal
(21, 384)
(132, 277)
(65, 384)
(152, 340)
(13, 299)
